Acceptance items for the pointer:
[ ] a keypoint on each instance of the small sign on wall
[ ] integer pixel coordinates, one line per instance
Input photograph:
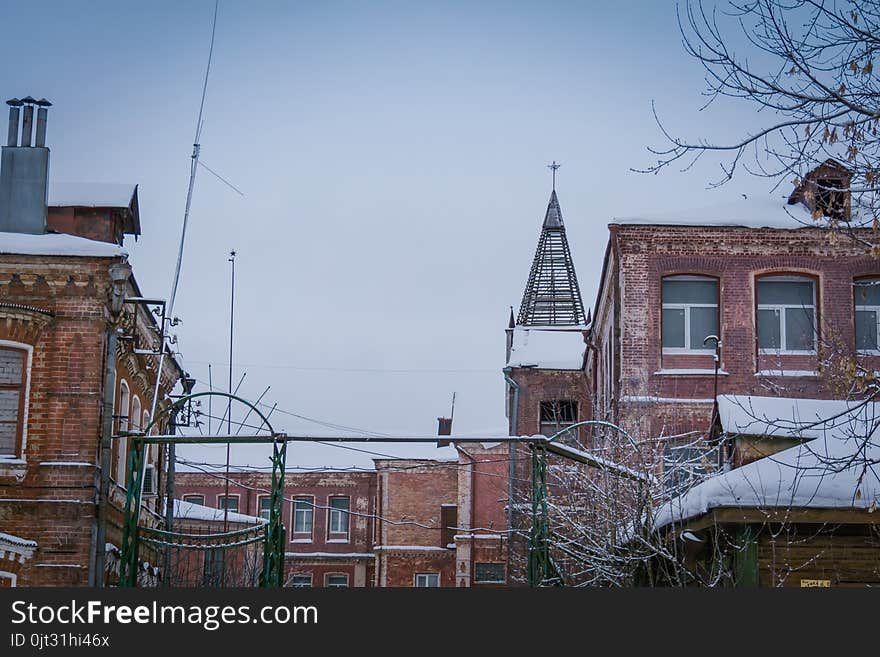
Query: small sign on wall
(822, 583)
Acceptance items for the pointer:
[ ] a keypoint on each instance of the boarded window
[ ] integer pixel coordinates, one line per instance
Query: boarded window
(12, 388)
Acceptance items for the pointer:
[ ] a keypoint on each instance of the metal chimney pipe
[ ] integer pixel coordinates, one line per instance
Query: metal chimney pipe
(12, 135)
(40, 141)
(27, 125)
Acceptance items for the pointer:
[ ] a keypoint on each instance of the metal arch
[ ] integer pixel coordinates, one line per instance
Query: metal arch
(541, 566)
(273, 559)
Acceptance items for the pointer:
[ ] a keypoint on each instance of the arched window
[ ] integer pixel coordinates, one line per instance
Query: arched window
(866, 301)
(136, 414)
(690, 313)
(786, 316)
(13, 392)
(122, 412)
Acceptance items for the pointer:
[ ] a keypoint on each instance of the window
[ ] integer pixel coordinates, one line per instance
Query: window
(866, 298)
(786, 314)
(448, 523)
(831, 197)
(556, 415)
(136, 414)
(149, 483)
(13, 373)
(339, 516)
(303, 514)
(122, 444)
(301, 580)
(228, 503)
(265, 506)
(489, 573)
(427, 580)
(336, 581)
(690, 313)
(212, 573)
(194, 499)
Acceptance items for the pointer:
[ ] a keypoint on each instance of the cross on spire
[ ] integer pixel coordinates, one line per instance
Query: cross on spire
(553, 168)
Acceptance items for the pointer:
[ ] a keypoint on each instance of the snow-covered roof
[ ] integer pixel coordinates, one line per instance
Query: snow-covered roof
(91, 195)
(190, 511)
(833, 470)
(547, 348)
(785, 417)
(58, 244)
(754, 212)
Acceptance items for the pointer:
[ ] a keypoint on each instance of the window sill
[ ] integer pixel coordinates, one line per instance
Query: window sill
(300, 540)
(868, 353)
(789, 373)
(776, 352)
(681, 351)
(338, 540)
(16, 468)
(689, 372)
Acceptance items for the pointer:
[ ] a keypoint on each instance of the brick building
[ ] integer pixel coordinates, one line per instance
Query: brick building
(409, 523)
(788, 303)
(328, 519)
(64, 391)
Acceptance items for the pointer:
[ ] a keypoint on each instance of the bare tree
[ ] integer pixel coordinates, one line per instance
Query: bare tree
(805, 68)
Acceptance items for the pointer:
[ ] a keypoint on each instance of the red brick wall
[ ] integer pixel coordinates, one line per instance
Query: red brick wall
(736, 256)
(49, 496)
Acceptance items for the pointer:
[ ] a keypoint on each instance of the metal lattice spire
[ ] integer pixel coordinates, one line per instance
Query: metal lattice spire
(552, 296)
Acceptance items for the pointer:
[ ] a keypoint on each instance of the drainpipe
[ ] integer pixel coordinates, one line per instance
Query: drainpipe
(119, 274)
(511, 474)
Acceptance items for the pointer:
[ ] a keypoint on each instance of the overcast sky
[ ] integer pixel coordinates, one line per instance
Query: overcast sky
(392, 157)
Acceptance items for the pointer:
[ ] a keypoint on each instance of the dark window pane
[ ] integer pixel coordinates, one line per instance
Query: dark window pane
(792, 293)
(867, 292)
(489, 572)
(684, 291)
(866, 330)
(673, 328)
(704, 322)
(769, 329)
(799, 329)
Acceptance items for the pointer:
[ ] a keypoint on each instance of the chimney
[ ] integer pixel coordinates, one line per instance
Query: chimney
(24, 169)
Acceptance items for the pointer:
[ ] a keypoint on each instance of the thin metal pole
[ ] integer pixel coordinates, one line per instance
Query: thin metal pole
(229, 403)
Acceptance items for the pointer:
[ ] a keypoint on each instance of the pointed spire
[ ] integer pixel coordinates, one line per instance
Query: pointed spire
(512, 322)
(553, 216)
(552, 296)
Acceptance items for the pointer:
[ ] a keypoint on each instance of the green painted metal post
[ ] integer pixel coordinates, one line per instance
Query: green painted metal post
(128, 567)
(273, 556)
(746, 557)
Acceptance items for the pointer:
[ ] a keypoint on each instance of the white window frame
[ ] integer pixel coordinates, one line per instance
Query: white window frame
(202, 503)
(328, 585)
(337, 536)
(782, 307)
(302, 586)
(29, 349)
(302, 537)
(426, 575)
(237, 497)
(124, 423)
(875, 310)
(260, 506)
(705, 350)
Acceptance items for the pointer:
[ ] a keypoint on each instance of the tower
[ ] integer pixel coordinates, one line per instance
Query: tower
(552, 296)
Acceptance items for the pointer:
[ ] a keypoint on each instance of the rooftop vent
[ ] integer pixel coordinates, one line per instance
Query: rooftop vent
(24, 168)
